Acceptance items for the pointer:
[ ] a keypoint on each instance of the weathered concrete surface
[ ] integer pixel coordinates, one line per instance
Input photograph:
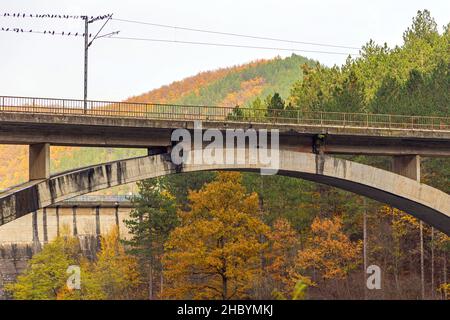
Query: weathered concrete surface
(77, 130)
(408, 166)
(39, 161)
(93, 218)
(422, 201)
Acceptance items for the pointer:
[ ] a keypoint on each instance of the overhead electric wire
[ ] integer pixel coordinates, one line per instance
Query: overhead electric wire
(236, 34)
(229, 45)
(111, 35)
(48, 32)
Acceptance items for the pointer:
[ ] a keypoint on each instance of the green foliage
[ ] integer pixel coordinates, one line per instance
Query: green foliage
(299, 292)
(278, 74)
(46, 274)
(153, 217)
(411, 79)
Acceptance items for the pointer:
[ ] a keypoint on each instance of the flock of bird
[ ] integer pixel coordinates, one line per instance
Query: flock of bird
(52, 32)
(59, 16)
(53, 16)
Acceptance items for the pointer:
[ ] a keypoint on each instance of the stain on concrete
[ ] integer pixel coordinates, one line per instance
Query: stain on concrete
(74, 221)
(26, 200)
(320, 163)
(340, 162)
(108, 171)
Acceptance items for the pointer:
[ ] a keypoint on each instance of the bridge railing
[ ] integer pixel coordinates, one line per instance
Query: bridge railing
(216, 113)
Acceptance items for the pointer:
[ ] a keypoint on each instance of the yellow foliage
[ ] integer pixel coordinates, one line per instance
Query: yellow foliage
(216, 252)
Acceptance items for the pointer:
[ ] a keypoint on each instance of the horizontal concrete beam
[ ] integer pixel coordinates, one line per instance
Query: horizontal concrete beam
(138, 133)
(422, 201)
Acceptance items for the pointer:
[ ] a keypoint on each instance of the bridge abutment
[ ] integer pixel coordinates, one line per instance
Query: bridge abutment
(39, 161)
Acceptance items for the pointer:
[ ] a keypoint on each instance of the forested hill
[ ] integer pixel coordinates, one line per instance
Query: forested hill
(236, 85)
(224, 87)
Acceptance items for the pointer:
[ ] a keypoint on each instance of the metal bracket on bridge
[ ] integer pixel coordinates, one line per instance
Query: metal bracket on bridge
(318, 144)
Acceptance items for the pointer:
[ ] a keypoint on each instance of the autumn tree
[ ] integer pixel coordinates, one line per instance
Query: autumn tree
(328, 251)
(283, 246)
(115, 272)
(215, 253)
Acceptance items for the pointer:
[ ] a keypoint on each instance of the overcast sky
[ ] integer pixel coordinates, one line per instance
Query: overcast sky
(52, 66)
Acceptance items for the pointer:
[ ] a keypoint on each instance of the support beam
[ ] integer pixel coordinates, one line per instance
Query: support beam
(407, 166)
(39, 161)
(151, 151)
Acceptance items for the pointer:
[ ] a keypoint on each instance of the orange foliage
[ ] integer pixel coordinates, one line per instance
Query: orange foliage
(329, 250)
(284, 244)
(178, 89)
(14, 163)
(249, 89)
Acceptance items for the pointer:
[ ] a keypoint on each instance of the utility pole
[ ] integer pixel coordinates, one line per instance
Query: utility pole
(86, 46)
(88, 43)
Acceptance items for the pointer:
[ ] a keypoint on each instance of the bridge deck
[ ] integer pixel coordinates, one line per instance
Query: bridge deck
(125, 124)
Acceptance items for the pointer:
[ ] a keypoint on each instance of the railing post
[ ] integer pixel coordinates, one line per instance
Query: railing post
(367, 120)
(321, 118)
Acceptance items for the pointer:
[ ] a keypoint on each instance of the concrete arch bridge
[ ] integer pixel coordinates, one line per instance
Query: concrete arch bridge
(422, 201)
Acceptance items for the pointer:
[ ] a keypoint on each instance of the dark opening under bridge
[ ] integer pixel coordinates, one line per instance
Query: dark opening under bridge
(306, 140)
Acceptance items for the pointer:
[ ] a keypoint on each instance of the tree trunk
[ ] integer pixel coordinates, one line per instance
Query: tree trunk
(224, 288)
(432, 263)
(365, 248)
(445, 273)
(161, 291)
(422, 269)
(150, 282)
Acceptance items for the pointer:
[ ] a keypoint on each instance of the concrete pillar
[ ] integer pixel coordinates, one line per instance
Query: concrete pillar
(116, 213)
(408, 166)
(36, 242)
(44, 225)
(57, 221)
(74, 221)
(39, 161)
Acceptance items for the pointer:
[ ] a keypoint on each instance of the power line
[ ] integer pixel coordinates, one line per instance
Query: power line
(47, 32)
(236, 34)
(229, 45)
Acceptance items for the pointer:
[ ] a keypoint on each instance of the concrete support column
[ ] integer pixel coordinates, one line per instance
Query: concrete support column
(74, 221)
(39, 161)
(408, 166)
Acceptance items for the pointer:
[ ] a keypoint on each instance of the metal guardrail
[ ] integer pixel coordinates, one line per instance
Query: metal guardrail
(214, 113)
(100, 198)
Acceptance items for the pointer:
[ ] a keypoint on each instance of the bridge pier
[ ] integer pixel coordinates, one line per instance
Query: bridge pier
(39, 161)
(407, 166)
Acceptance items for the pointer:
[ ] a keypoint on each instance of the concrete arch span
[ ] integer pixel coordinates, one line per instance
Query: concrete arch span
(422, 201)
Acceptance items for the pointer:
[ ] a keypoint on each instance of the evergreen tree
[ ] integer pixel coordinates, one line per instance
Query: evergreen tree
(151, 221)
